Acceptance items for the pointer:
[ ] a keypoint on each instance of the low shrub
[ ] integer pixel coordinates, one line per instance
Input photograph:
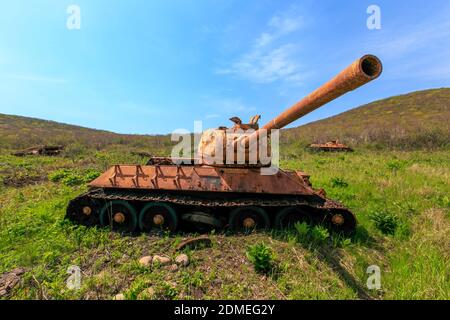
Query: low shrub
(262, 257)
(385, 221)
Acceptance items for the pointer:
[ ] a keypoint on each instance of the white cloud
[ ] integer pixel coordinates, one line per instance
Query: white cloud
(269, 59)
(263, 66)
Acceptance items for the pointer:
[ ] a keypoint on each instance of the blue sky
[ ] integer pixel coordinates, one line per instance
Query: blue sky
(155, 66)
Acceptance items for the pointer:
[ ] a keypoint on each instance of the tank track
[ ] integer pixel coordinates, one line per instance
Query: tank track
(323, 208)
(277, 201)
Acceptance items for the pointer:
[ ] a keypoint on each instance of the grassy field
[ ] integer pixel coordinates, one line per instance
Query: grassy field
(401, 200)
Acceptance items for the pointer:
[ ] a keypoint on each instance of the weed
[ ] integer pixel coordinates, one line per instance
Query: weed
(319, 234)
(196, 279)
(395, 165)
(302, 229)
(385, 221)
(72, 178)
(338, 182)
(261, 256)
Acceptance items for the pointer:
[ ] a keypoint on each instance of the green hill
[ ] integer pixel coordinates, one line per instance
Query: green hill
(415, 120)
(20, 132)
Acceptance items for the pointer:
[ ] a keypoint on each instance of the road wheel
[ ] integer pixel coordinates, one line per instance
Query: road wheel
(248, 218)
(84, 211)
(119, 215)
(341, 221)
(288, 217)
(158, 216)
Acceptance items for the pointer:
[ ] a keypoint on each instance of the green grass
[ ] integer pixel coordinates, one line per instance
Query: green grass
(414, 259)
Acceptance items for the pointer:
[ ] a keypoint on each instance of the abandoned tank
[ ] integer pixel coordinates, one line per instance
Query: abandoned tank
(204, 191)
(331, 146)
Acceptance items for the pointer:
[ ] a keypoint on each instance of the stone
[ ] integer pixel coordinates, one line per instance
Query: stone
(182, 260)
(145, 261)
(161, 260)
(173, 268)
(119, 296)
(9, 280)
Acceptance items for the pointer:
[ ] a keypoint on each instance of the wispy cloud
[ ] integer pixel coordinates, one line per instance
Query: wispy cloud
(419, 50)
(420, 36)
(36, 78)
(270, 58)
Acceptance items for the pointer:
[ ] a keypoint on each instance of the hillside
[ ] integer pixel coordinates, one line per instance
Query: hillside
(411, 121)
(415, 120)
(19, 132)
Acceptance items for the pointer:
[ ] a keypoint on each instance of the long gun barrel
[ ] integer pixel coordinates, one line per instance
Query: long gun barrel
(360, 72)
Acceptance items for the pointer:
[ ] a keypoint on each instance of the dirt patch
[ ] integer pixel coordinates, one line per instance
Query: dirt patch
(23, 180)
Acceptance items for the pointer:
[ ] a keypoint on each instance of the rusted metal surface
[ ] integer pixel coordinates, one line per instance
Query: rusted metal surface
(332, 146)
(202, 178)
(40, 150)
(360, 72)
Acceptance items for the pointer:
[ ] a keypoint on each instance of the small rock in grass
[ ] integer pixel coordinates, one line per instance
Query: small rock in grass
(119, 296)
(173, 268)
(145, 261)
(161, 260)
(182, 259)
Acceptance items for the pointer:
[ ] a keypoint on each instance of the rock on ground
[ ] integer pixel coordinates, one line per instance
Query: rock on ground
(182, 260)
(145, 261)
(119, 296)
(9, 280)
(161, 260)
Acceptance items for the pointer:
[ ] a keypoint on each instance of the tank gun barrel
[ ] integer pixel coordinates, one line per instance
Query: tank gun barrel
(360, 72)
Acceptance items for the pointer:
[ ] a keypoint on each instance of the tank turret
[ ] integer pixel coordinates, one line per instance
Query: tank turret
(216, 144)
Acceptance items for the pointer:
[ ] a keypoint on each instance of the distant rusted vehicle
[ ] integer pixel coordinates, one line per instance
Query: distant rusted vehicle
(40, 151)
(332, 146)
(167, 193)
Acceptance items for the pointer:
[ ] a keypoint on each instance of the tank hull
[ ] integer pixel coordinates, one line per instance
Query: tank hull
(200, 196)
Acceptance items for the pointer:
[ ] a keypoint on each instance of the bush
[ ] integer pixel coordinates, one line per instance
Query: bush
(339, 182)
(385, 221)
(396, 165)
(72, 178)
(262, 257)
(90, 175)
(319, 234)
(302, 229)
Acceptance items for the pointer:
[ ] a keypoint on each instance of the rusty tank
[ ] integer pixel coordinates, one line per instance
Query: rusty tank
(207, 192)
(331, 146)
(41, 150)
